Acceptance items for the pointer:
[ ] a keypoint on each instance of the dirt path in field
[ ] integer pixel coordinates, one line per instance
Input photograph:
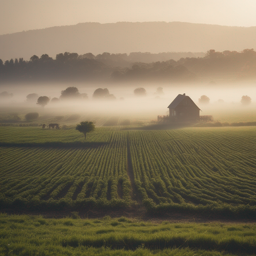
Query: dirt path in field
(134, 194)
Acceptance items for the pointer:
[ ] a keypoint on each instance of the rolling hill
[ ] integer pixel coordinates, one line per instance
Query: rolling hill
(126, 37)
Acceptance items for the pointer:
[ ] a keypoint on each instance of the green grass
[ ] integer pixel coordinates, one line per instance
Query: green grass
(31, 235)
(191, 170)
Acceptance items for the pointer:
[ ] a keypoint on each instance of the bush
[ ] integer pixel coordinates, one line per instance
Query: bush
(31, 116)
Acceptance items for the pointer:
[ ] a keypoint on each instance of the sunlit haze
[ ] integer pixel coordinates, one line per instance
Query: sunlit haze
(225, 102)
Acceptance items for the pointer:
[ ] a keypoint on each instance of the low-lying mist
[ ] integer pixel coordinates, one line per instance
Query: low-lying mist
(124, 107)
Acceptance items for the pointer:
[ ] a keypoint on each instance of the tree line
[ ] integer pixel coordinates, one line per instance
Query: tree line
(118, 67)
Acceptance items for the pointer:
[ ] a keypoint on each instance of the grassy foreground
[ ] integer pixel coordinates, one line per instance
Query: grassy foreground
(30, 235)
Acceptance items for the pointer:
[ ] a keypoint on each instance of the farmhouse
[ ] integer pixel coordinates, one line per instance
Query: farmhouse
(182, 109)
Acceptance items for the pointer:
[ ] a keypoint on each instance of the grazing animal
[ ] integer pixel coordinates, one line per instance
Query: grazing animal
(43, 126)
(52, 126)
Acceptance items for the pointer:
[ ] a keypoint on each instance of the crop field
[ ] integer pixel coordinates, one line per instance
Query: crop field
(206, 170)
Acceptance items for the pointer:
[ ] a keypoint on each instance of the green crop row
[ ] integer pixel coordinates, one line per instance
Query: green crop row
(192, 168)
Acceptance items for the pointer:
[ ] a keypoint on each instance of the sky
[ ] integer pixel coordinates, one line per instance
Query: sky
(23, 15)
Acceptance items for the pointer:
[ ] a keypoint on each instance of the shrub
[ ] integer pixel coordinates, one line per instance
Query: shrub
(31, 116)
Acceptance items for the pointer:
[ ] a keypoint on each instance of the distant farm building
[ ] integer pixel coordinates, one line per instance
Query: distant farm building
(182, 109)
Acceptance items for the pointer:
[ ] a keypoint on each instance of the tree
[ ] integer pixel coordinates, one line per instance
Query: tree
(140, 92)
(5, 95)
(31, 116)
(43, 100)
(246, 100)
(204, 99)
(88, 56)
(54, 100)
(70, 93)
(66, 56)
(100, 93)
(32, 97)
(34, 58)
(85, 127)
(45, 57)
(159, 90)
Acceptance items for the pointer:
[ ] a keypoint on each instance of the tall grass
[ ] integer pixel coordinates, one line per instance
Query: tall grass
(30, 235)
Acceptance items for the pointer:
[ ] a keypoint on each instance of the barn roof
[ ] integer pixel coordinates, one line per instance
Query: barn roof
(175, 103)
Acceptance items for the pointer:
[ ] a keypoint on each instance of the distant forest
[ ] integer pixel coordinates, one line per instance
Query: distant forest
(134, 67)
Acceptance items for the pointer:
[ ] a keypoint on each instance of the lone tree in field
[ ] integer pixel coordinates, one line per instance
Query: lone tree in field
(43, 100)
(246, 100)
(85, 127)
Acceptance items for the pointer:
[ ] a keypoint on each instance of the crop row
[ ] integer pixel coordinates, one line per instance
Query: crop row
(191, 166)
(70, 172)
(194, 167)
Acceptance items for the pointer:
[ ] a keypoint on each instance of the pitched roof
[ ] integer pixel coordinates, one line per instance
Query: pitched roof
(178, 100)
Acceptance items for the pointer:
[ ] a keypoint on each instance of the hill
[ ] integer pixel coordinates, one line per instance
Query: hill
(126, 37)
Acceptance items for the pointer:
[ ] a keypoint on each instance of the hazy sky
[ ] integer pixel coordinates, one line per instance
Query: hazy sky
(19, 15)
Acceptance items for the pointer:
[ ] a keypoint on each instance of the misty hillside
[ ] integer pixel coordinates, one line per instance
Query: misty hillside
(126, 37)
